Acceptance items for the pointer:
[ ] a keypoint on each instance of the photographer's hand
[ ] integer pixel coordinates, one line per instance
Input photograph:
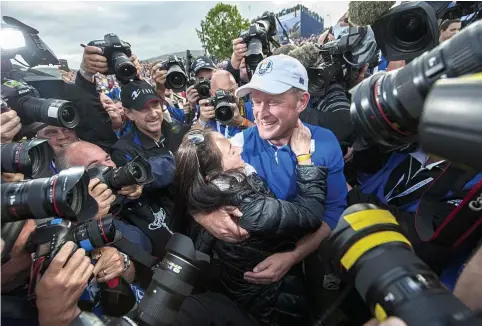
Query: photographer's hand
(192, 96)
(136, 63)
(111, 265)
(132, 192)
(92, 62)
(391, 321)
(61, 286)
(239, 52)
(10, 126)
(103, 195)
(159, 75)
(206, 111)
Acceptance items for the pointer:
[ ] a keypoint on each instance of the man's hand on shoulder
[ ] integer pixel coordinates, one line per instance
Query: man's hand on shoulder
(222, 224)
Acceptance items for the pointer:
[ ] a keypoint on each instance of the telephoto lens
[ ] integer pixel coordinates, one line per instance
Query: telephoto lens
(136, 172)
(367, 247)
(50, 111)
(386, 107)
(63, 195)
(176, 78)
(31, 158)
(123, 66)
(171, 283)
(224, 112)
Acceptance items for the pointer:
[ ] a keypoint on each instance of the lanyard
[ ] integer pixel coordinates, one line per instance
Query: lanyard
(226, 129)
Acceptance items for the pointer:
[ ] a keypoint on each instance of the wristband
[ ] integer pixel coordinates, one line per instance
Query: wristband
(127, 261)
(244, 124)
(303, 158)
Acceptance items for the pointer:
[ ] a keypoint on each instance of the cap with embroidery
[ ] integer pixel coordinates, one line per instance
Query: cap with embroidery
(203, 62)
(276, 75)
(137, 94)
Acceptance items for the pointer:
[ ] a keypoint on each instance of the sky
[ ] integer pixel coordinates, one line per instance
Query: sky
(153, 28)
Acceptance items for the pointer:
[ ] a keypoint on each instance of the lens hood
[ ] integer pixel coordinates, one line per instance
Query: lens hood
(31, 158)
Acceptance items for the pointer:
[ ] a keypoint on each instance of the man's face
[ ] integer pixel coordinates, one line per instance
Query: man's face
(58, 137)
(89, 156)
(149, 119)
(207, 74)
(277, 115)
(453, 29)
(225, 83)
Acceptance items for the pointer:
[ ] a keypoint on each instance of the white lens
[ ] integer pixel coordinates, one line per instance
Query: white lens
(11, 39)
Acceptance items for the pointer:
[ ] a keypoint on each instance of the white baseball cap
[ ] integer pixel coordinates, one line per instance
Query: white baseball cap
(276, 75)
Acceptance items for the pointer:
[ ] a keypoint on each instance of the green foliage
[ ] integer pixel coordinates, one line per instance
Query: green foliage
(221, 26)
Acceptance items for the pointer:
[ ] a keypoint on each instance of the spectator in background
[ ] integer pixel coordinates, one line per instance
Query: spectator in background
(449, 28)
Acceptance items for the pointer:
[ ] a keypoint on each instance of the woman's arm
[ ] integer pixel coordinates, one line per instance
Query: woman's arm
(304, 214)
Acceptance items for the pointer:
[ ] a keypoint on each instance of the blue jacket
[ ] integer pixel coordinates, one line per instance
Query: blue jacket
(278, 166)
(177, 114)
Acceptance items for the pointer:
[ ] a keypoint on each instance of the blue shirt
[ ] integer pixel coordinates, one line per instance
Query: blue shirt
(177, 114)
(278, 166)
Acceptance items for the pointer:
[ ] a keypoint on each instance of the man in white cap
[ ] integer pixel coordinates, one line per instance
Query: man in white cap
(279, 89)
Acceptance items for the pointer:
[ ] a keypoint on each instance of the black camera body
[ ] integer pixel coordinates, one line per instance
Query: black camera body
(138, 171)
(203, 87)
(117, 53)
(337, 61)
(30, 107)
(176, 78)
(257, 39)
(222, 102)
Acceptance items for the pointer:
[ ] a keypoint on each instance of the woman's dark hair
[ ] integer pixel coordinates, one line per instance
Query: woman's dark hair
(198, 169)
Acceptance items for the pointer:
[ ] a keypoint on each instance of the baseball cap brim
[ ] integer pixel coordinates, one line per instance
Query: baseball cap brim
(148, 100)
(272, 88)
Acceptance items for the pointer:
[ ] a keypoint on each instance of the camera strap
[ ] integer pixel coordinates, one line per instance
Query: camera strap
(135, 252)
(462, 222)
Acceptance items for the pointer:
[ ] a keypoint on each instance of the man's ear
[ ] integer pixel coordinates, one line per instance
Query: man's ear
(303, 102)
(129, 114)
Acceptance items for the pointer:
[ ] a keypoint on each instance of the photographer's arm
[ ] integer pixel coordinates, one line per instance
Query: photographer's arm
(469, 286)
(92, 63)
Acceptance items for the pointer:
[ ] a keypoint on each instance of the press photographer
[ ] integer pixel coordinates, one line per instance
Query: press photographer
(203, 69)
(222, 111)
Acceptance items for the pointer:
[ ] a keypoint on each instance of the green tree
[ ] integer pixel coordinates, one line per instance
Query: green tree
(220, 27)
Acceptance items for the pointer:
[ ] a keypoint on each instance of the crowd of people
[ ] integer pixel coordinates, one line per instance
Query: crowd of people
(258, 193)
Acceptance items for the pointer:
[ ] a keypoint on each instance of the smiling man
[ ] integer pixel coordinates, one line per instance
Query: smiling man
(279, 88)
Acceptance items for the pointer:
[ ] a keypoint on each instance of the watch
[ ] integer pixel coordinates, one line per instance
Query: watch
(127, 261)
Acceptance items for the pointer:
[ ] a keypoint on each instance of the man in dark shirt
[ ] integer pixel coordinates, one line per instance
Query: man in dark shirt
(154, 140)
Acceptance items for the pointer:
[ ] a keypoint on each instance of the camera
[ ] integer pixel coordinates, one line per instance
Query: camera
(117, 53)
(203, 87)
(386, 107)
(137, 171)
(49, 237)
(173, 281)
(367, 247)
(222, 102)
(341, 60)
(31, 158)
(407, 31)
(176, 78)
(257, 39)
(63, 195)
(30, 107)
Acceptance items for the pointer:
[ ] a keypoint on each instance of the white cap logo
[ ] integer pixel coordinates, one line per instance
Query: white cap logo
(135, 94)
(265, 67)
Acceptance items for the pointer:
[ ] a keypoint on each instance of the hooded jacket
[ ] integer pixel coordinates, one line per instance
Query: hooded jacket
(274, 226)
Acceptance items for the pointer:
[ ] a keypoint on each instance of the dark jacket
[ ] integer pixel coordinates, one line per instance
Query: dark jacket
(274, 226)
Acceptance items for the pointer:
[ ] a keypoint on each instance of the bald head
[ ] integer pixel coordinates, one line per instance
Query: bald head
(84, 154)
(223, 79)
